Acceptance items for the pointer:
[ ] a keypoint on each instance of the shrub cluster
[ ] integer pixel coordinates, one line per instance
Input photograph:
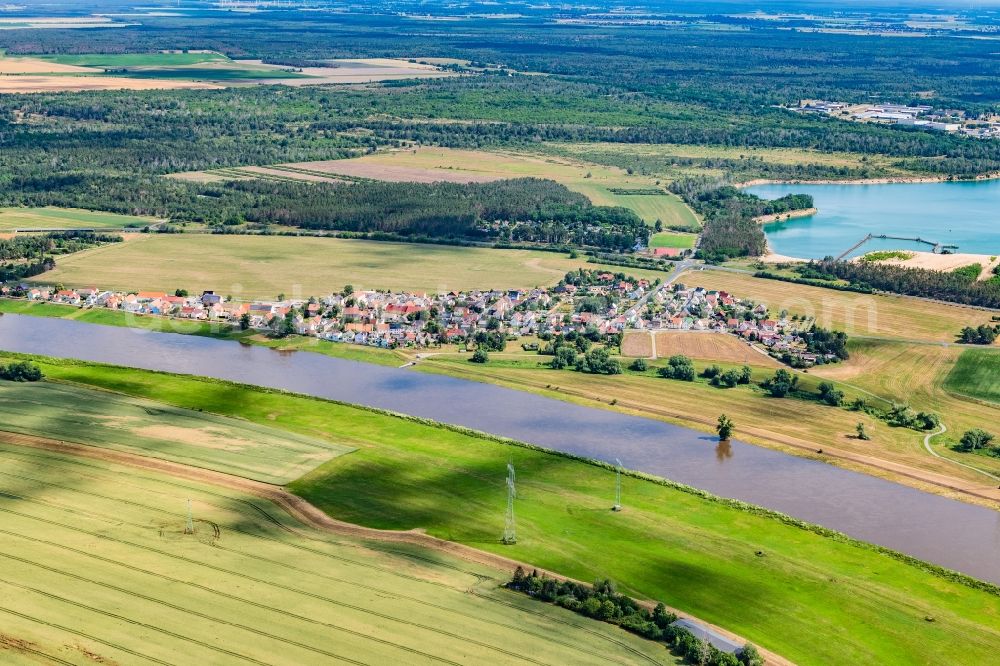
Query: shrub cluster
(20, 371)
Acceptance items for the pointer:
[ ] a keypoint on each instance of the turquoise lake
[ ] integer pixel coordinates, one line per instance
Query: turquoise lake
(966, 214)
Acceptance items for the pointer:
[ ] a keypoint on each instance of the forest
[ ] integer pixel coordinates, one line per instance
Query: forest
(952, 287)
(731, 229)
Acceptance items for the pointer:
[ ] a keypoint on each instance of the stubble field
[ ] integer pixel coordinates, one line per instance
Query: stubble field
(264, 266)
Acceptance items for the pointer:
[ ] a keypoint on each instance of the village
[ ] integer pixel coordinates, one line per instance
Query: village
(598, 304)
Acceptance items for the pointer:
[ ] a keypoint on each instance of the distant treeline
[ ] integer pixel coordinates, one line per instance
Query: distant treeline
(27, 255)
(953, 287)
(507, 211)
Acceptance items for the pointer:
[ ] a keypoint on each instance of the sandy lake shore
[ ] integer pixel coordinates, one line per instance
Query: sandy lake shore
(781, 217)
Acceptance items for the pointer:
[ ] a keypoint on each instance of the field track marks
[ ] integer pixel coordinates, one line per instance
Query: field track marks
(263, 581)
(204, 616)
(381, 591)
(315, 518)
(436, 630)
(81, 634)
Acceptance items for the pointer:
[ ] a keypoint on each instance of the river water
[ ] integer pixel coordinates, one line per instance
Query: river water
(943, 531)
(952, 213)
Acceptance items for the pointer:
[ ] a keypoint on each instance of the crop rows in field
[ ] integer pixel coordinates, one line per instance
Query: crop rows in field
(95, 559)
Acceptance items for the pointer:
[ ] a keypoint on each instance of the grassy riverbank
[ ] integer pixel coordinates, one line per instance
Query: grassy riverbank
(776, 583)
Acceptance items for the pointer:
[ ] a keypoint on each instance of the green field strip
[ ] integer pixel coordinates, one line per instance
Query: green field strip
(149, 428)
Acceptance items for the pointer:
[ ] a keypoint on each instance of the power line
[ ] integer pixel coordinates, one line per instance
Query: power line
(510, 527)
(618, 487)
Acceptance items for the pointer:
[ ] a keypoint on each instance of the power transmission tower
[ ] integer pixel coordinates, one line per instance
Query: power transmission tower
(189, 523)
(618, 487)
(509, 527)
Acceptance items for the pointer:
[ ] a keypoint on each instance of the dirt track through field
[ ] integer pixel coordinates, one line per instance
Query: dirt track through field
(312, 516)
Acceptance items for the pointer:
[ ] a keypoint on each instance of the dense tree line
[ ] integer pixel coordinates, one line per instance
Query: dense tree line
(603, 602)
(979, 335)
(27, 255)
(940, 285)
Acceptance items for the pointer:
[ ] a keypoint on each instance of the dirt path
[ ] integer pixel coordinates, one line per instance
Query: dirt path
(315, 518)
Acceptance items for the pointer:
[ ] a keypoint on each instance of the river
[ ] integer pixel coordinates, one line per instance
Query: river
(962, 213)
(947, 532)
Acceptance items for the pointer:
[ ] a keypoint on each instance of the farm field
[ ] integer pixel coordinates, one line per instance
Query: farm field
(690, 552)
(658, 156)
(195, 69)
(932, 378)
(97, 568)
(855, 314)
(152, 429)
(671, 239)
(694, 344)
(264, 266)
(66, 218)
(594, 181)
(977, 374)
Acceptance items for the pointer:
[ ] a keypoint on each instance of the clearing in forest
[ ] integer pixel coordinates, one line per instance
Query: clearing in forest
(603, 185)
(66, 218)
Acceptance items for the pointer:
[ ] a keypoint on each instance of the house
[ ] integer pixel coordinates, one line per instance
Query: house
(147, 296)
(210, 298)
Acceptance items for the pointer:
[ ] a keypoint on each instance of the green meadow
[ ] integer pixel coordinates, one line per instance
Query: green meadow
(976, 374)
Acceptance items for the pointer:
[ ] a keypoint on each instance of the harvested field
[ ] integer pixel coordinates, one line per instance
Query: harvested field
(637, 344)
(97, 567)
(408, 174)
(42, 83)
(856, 314)
(362, 70)
(103, 419)
(264, 266)
(38, 66)
(706, 346)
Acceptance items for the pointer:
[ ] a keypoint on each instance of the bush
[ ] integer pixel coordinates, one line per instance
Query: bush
(781, 384)
(678, 367)
(831, 395)
(21, 371)
(639, 365)
(975, 440)
(480, 356)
